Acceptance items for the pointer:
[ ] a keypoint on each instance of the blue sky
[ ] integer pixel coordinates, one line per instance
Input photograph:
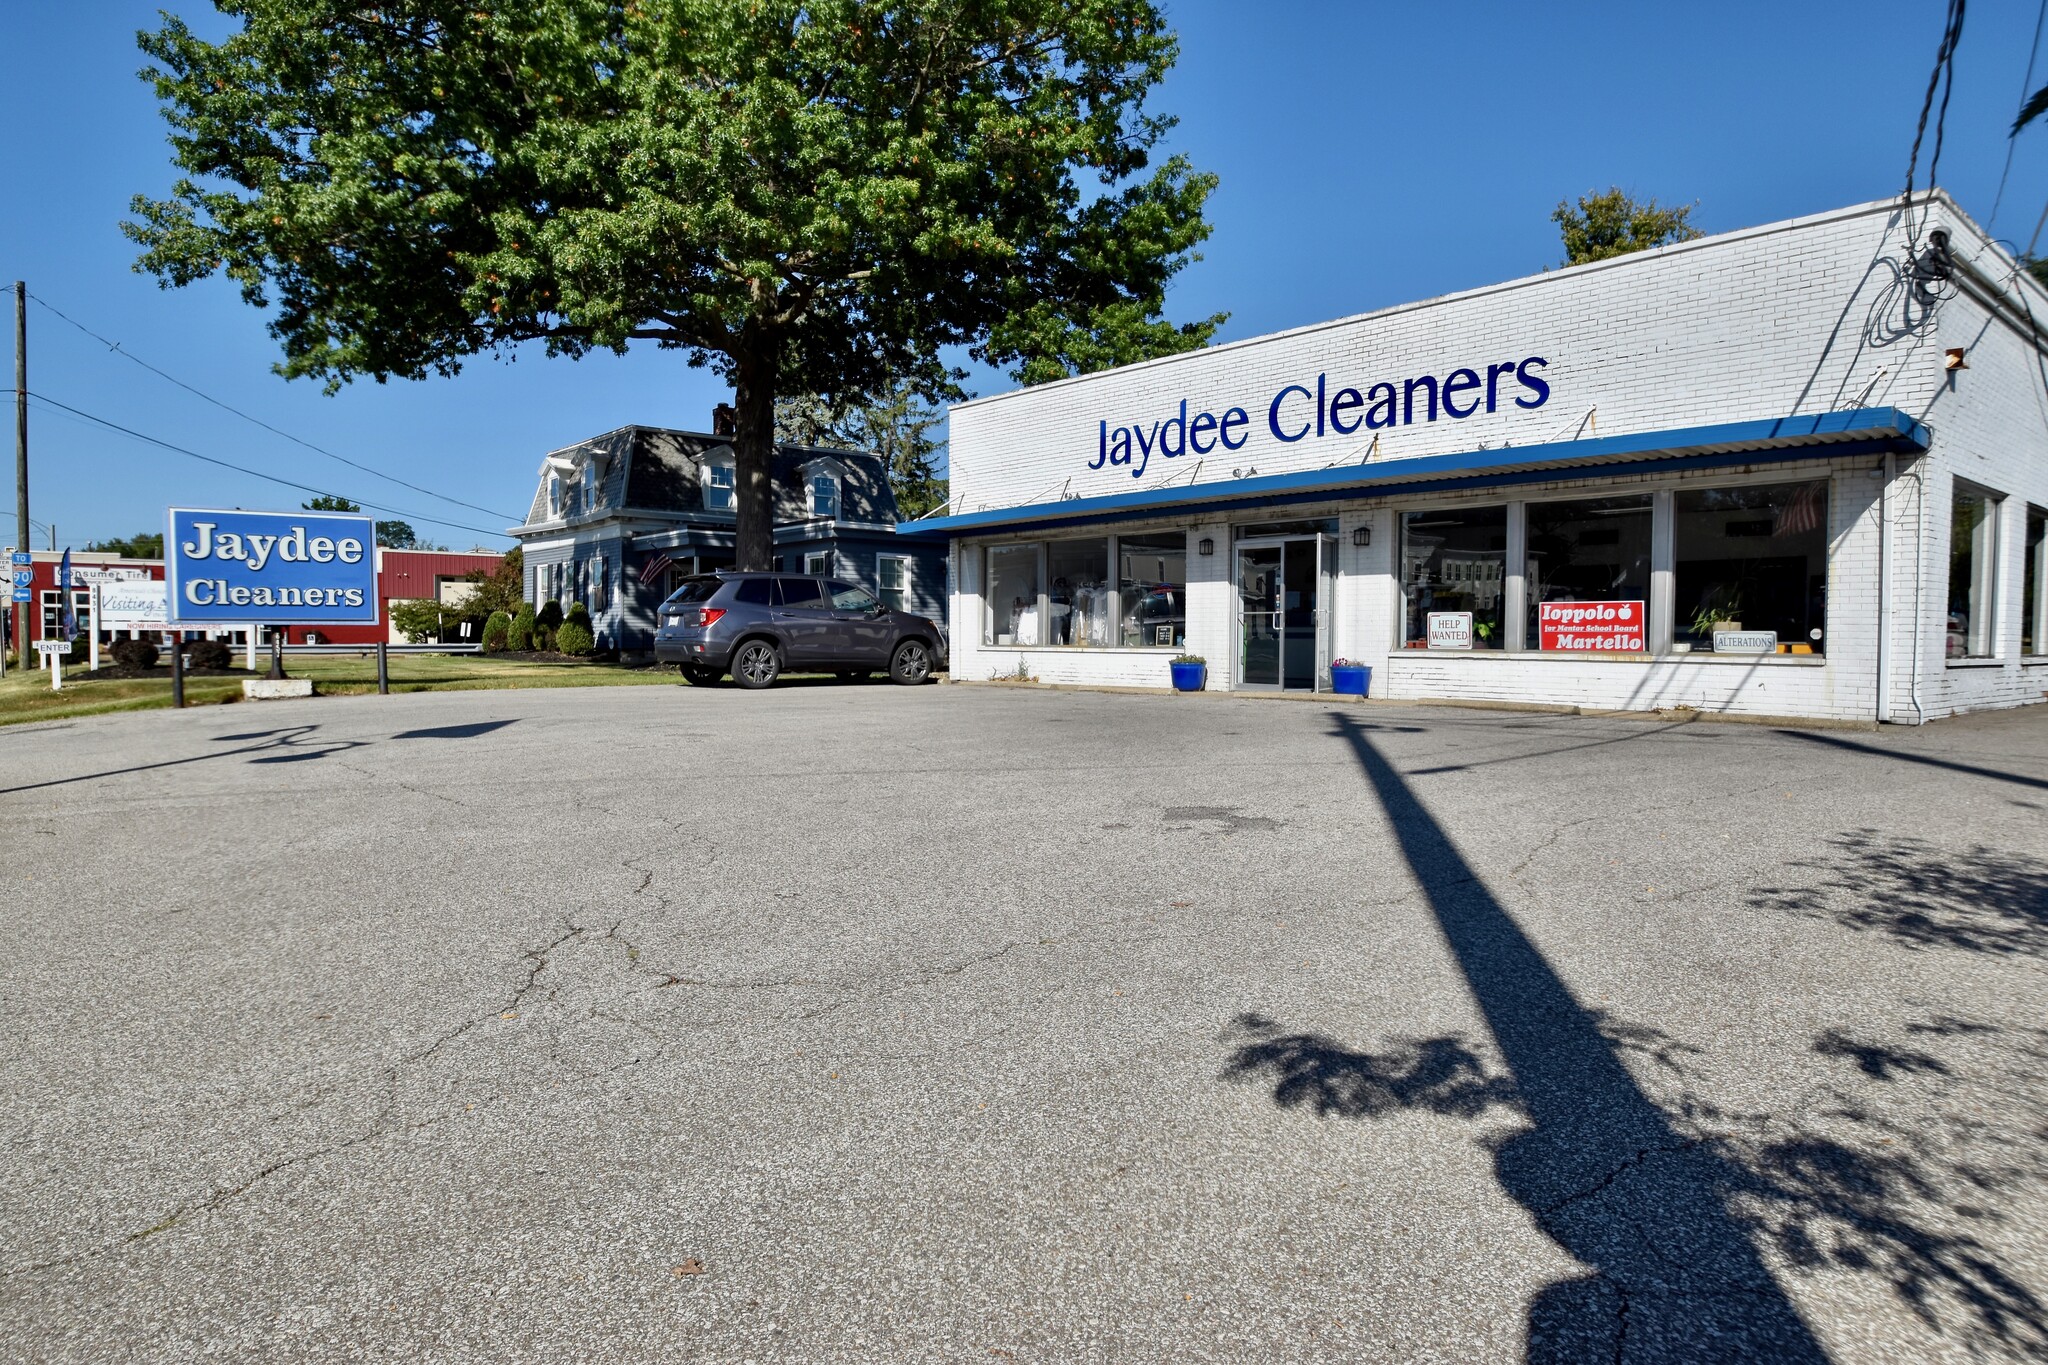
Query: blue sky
(1369, 153)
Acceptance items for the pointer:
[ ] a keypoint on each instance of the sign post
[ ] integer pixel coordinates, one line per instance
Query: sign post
(95, 628)
(53, 652)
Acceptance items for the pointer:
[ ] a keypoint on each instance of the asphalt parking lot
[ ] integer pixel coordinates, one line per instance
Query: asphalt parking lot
(965, 1023)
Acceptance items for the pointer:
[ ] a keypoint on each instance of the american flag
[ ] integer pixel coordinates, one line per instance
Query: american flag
(654, 568)
(1802, 514)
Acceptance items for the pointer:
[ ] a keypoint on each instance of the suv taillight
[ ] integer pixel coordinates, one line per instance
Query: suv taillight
(708, 617)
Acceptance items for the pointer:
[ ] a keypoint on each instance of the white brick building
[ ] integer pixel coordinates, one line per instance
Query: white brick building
(1737, 474)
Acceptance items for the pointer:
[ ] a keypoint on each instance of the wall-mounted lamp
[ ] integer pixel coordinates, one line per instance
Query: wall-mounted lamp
(1361, 535)
(1952, 359)
(1205, 546)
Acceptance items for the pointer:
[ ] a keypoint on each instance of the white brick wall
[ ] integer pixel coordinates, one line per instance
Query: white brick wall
(1788, 318)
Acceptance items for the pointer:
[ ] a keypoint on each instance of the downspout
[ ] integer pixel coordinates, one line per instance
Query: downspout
(1884, 590)
(1919, 580)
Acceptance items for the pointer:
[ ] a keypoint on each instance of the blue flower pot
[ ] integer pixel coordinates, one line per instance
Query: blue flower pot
(1351, 681)
(1189, 677)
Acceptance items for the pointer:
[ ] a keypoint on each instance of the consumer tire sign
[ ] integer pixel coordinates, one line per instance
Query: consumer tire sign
(270, 568)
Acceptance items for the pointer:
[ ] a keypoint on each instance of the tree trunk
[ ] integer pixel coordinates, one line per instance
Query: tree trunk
(753, 447)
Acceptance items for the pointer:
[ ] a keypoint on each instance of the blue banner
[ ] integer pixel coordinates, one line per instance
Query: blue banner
(270, 568)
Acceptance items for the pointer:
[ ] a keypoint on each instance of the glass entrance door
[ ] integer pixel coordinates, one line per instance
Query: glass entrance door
(1284, 588)
(1260, 629)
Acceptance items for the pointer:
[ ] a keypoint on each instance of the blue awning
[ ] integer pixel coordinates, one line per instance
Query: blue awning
(1859, 431)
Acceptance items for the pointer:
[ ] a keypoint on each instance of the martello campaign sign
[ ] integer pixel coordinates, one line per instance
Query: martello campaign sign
(270, 568)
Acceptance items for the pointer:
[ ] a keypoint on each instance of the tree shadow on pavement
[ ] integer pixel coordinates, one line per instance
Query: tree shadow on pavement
(1668, 1203)
(1982, 900)
(1672, 1275)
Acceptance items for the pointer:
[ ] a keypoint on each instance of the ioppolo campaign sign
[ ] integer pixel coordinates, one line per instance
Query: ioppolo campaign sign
(270, 568)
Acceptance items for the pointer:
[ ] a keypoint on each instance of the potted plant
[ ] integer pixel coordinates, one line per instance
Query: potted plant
(1349, 678)
(1190, 673)
(1720, 611)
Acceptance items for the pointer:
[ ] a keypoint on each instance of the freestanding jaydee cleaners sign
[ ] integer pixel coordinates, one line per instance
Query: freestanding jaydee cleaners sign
(270, 568)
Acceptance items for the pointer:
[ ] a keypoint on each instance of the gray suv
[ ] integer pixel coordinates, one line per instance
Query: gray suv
(758, 626)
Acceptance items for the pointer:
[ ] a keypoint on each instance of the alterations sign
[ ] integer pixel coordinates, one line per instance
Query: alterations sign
(270, 568)
(1591, 625)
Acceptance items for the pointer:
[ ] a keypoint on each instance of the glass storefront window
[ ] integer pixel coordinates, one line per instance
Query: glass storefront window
(1455, 562)
(2033, 606)
(1014, 589)
(1079, 603)
(1751, 559)
(1588, 550)
(1972, 565)
(1152, 582)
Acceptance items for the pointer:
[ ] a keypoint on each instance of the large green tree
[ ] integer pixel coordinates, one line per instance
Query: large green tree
(809, 196)
(1616, 223)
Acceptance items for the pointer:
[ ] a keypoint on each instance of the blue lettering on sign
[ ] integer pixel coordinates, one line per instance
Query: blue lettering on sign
(1299, 412)
(270, 568)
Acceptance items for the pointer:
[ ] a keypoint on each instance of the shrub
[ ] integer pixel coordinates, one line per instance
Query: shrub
(546, 622)
(209, 654)
(418, 621)
(80, 653)
(574, 638)
(135, 654)
(578, 615)
(496, 631)
(520, 638)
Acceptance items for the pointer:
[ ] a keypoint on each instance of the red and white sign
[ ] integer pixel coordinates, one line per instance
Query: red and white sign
(1591, 625)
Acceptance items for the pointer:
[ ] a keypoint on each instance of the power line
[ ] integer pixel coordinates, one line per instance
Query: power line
(1944, 66)
(255, 473)
(2012, 139)
(117, 349)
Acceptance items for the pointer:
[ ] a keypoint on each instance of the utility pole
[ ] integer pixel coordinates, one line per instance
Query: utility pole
(21, 537)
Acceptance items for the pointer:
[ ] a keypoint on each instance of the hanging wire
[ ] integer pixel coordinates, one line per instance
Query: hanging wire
(421, 517)
(2012, 139)
(125, 354)
(1942, 78)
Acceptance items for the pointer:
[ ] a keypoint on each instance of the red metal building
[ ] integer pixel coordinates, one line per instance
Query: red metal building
(402, 575)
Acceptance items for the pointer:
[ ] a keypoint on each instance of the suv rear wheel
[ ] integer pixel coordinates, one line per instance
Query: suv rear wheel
(911, 663)
(756, 664)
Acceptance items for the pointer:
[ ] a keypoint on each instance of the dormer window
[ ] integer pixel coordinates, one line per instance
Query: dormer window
(554, 495)
(589, 485)
(718, 483)
(821, 489)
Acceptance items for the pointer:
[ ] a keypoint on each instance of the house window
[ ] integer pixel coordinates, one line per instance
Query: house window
(718, 486)
(892, 576)
(1752, 559)
(2033, 603)
(589, 486)
(819, 563)
(824, 494)
(1454, 561)
(1592, 554)
(1972, 572)
(554, 495)
(601, 586)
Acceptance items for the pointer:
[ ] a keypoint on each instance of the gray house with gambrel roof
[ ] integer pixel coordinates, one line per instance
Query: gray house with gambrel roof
(619, 519)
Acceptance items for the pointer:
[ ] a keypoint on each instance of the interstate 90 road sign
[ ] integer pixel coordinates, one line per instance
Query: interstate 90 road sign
(270, 568)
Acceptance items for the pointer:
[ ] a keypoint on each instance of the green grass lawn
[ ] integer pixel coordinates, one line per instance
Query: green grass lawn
(26, 695)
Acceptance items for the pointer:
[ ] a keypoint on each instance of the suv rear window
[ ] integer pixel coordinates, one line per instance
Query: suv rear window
(693, 590)
(800, 592)
(754, 592)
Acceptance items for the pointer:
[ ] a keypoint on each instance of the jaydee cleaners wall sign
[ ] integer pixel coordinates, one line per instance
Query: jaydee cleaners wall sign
(1328, 407)
(271, 568)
